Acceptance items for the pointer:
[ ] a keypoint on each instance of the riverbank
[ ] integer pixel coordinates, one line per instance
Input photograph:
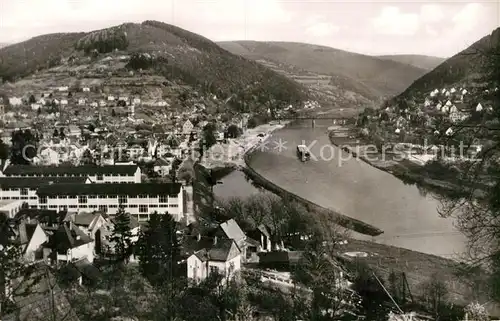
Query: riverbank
(231, 154)
(405, 170)
(419, 267)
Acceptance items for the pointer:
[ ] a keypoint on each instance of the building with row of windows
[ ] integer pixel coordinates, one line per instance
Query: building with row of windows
(80, 194)
(96, 174)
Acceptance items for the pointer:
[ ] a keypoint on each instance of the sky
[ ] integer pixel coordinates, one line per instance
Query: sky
(442, 28)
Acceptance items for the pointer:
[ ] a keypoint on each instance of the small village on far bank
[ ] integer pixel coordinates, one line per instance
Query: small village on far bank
(411, 135)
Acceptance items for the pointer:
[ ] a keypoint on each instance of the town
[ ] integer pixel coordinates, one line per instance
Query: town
(76, 169)
(150, 172)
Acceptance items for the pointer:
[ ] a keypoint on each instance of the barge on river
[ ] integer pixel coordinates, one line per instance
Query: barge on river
(303, 153)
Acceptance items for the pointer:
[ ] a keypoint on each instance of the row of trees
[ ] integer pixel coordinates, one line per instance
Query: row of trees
(157, 288)
(103, 42)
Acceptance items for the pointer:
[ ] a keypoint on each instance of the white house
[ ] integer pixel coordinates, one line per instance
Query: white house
(187, 128)
(10, 207)
(102, 103)
(31, 237)
(111, 98)
(90, 223)
(82, 101)
(63, 88)
(458, 113)
(136, 101)
(36, 106)
(64, 102)
(479, 107)
(48, 156)
(223, 257)
(86, 89)
(15, 101)
(162, 167)
(74, 131)
(69, 243)
(427, 103)
(94, 104)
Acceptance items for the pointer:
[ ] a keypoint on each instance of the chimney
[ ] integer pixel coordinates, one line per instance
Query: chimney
(215, 240)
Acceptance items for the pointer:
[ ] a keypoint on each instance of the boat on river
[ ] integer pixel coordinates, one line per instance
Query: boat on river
(303, 153)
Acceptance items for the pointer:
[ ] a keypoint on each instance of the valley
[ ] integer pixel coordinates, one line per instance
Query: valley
(341, 79)
(122, 149)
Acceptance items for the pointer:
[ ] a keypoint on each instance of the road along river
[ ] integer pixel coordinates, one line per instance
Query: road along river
(349, 186)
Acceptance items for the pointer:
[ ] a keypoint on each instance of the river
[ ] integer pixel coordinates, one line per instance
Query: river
(408, 218)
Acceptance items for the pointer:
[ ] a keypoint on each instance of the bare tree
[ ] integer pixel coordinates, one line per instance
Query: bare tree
(476, 204)
(435, 293)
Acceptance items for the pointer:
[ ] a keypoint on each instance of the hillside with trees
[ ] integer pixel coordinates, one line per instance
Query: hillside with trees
(463, 69)
(371, 77)
(179, 55)
(419, 61)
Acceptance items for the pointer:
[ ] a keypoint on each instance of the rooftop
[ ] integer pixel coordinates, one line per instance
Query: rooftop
(68, 237)
(33, 299)
(111, 189)
(73, 170)
(35, 182)
(223, 250)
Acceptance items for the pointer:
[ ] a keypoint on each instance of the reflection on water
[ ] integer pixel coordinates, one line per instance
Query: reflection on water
(407, 215)
(236, 184)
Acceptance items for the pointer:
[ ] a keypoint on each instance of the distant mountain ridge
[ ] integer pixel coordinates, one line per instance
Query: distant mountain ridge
(419, 61)
(461, 69)
(177, 54)
(372, 77)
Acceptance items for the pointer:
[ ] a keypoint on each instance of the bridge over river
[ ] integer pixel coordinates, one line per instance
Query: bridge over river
(323, 119)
